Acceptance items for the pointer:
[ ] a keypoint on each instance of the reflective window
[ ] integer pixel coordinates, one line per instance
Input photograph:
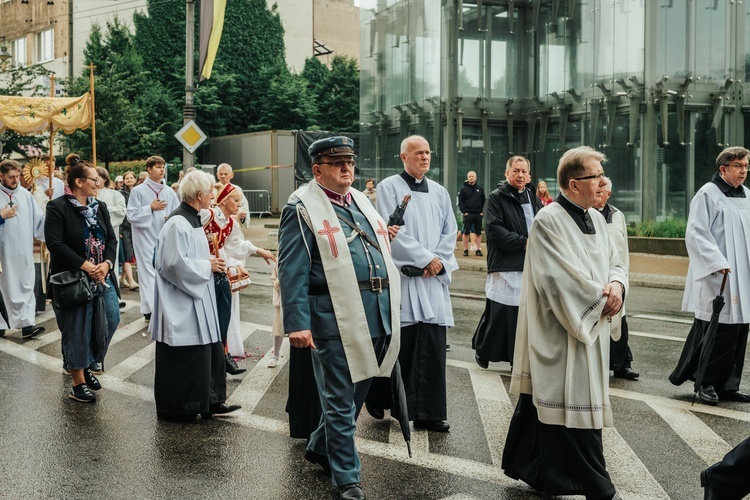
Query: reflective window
(711, 40)
(671, 48)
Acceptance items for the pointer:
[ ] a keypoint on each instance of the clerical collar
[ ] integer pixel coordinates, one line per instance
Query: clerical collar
(342, 200)
(191, 214)
(606, 211)
(580, 216)
(414, 184)
(726, 188)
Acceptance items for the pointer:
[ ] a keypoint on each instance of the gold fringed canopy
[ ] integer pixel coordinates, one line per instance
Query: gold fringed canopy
(35, 115)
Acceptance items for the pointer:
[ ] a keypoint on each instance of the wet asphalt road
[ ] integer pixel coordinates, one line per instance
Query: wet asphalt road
(56, 448)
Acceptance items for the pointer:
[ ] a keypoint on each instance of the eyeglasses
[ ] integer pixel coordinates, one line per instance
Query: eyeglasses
(597, 176)
(338, 163)
(741, 166)
(96, 180)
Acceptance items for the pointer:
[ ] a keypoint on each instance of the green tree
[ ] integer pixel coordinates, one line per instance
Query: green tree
(135, 117)
(288, 103)
(23, 80)
(252, 41)
(339, 101)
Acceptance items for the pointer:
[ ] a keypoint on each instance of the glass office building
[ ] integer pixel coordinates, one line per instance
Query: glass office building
(657, 85)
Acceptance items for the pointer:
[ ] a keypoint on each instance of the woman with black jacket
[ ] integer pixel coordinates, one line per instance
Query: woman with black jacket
(508, 214)
(79, 235)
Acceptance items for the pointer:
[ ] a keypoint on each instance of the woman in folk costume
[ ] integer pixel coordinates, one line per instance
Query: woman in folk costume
(223, 232)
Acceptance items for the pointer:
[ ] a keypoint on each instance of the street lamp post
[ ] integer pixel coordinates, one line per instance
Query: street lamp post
(188, 111)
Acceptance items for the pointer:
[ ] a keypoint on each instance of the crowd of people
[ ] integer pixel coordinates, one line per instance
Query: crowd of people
(557, 279)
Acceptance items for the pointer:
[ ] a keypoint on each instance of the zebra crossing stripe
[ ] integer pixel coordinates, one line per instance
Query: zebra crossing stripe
(495, 410)
(133, 363)
(259, 379)
(629, 474)
(700, 437)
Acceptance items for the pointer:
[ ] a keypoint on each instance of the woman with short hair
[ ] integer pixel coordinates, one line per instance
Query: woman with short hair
(190, 375)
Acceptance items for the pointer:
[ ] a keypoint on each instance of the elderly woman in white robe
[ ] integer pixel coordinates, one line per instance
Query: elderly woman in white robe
(190, 376)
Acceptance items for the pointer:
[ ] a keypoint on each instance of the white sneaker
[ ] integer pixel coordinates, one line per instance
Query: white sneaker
(273, 361)
(472, 248)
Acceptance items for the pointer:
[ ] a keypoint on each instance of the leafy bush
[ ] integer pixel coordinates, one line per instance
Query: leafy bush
(670, 228)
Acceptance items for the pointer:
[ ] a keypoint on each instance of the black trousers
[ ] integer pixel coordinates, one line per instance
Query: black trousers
(729, 479)
(223, 304)
(422, 358)
(620, 356)
(724, 370)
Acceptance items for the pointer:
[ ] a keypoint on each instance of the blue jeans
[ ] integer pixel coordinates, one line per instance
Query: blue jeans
(78, 345)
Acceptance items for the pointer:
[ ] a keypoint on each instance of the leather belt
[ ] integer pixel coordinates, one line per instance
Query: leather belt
(372, 285)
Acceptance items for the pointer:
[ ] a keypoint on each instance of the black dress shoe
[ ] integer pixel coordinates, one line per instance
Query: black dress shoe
(481, 362)
(2, 333)
(708, 492)
(317, 458)
(31, 331)
(232, 367)
(432, 425)
(735, 396)
(351, 491)
(220, 409)
(176, 417)
(375, 412)
(122, 304)
(627, 373)
(708, 395)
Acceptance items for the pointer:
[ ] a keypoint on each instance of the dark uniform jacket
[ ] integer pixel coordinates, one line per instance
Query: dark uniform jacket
(305, 303)
(505, 225)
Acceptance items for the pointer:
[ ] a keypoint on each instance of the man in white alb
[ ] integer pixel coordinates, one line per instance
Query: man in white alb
(149, 205)
(571, 294)
(21, 220)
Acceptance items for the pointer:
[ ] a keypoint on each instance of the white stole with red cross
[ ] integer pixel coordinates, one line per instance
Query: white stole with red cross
(339, 269)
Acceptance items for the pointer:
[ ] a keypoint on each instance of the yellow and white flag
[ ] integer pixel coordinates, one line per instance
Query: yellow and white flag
(211, 26)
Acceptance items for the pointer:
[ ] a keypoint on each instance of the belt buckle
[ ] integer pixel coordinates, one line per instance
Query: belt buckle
(376, 284)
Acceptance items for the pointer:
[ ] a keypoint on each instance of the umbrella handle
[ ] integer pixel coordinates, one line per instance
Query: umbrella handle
(724, 283)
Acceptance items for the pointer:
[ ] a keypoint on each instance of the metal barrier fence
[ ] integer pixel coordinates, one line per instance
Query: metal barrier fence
(259, 201)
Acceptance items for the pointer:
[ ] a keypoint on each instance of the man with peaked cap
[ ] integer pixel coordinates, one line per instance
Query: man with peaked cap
(340, 296)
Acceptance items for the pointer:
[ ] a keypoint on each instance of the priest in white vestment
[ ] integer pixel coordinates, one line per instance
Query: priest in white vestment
(572, 291)
(717, 238)
(426, 242)
(21, 220)
(620, 356)
(149, 205)
(190, 377)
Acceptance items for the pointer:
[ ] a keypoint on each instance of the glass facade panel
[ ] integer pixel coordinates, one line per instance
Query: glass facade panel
(671, 174)
(711, 40)
(535, 81)
(672, 32)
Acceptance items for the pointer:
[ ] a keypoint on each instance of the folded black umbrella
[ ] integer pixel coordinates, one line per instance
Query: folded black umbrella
(709, 337)
(100, 324)
(397, 217)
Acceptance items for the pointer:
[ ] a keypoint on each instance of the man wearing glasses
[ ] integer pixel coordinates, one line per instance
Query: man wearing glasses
(716, 238)
(340, 296)
(571, 294)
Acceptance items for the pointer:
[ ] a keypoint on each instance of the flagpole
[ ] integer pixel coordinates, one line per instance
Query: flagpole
(51, 162)
(188, 111)
(91, 68)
